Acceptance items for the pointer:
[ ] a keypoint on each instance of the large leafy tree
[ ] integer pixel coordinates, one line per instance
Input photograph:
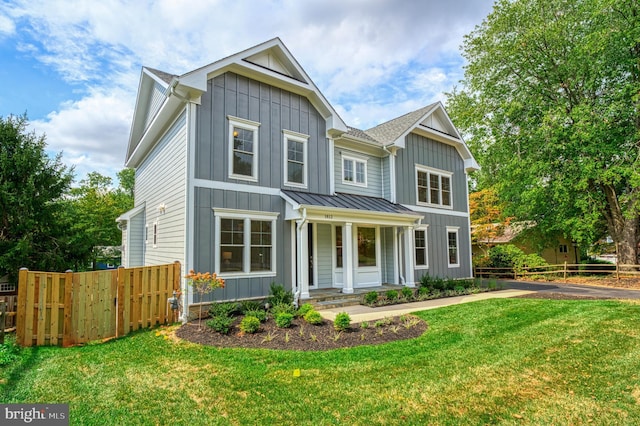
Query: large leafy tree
(32, 234)
(550, 105)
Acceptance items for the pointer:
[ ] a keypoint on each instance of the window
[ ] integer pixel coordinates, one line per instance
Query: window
(245, 242)
(433, 187)
(354, 171)
(155, 233)
(563, 248)
(366, 247)
(338, 246)
(452, 244)
(243, 149)
(420, 240)
(295, 162)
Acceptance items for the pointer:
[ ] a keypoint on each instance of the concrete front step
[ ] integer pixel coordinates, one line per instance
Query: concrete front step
(336, 303)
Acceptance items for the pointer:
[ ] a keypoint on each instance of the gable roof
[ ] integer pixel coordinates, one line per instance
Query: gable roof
(270, 62)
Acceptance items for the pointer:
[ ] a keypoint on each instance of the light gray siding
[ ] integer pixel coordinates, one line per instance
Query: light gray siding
(374, 173)
(438, 247)
(135, 237)
(323, 258)
(205, 251)
(161, 184)
(427, 152)
(158, 95)
(276, 110)
(388, 270)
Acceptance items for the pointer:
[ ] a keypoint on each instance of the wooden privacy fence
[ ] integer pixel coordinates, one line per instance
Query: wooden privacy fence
(77, 307)
(563, 270)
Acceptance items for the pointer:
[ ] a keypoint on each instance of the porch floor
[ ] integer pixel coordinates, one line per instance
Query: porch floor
(326, 298)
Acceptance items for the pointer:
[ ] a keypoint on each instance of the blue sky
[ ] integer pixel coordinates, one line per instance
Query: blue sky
(74, 66)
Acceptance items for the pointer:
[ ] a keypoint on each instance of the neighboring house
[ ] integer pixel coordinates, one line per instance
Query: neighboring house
(244, 168)
(562, 250)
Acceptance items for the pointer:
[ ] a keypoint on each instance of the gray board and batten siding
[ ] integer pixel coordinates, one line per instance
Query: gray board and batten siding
(276, 110)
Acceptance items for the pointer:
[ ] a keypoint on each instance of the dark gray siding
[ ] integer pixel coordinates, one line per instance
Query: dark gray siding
(438, 248)
(275, 110)
(426, 152)
(204, 237)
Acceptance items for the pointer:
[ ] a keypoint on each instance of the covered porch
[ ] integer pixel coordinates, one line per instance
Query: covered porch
(349, 242)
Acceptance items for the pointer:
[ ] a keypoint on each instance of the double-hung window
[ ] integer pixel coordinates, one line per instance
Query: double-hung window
(245, 242)
(295, 161)
(453, 247)
(433, 187)
(354, 170)
(421, 249)
(243, 149)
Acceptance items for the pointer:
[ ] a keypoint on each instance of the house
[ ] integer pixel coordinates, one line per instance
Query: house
(245, 169)
(555, 252)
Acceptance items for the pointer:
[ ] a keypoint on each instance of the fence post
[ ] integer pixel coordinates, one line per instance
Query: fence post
(3, 316)
(617, 269)
(565, 271)
(121, 302)
(68, 331)
(21, 315)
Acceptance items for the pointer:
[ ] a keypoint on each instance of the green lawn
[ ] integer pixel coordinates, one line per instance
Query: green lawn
(515, 361)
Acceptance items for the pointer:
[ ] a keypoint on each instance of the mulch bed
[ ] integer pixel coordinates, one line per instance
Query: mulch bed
(302, 336)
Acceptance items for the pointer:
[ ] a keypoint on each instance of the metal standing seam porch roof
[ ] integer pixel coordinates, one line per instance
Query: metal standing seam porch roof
(349, 201)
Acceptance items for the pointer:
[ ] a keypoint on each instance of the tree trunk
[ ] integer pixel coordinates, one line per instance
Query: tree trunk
(624, 231)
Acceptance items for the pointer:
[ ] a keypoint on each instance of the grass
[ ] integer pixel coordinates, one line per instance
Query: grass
(497, 361)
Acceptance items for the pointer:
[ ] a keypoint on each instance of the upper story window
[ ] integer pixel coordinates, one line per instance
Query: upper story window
(295, 161)
(354, 170)
(433, 187)
(243, 149)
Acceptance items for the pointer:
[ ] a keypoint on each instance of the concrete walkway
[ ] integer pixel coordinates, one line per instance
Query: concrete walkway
(359, 313)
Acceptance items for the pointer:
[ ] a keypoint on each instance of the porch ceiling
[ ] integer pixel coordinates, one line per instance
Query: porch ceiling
(343, 207)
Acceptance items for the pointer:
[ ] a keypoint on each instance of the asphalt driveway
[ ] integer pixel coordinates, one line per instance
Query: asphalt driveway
(576, 290)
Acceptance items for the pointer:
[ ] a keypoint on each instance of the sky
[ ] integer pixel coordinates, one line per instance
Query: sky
(74, 66)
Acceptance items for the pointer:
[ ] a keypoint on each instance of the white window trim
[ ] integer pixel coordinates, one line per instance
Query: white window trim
(247, 125)
(304, 139)
(156, 232)
(424, 228)
(354, 159)
(440, 173)
(247, 216)
(453, 229)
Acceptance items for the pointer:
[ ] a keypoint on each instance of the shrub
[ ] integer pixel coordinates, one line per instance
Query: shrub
(280, 308)
(371, 297)
(426, 281)
(249, 305)
(422, 291)
(342, 322)
(459, 289)
(313, 317)
(221, 324)
(279, 296)
(392, 294)
(510, 256)
(223, 309)
(407, 292)
(284, 320)
(261, 314)
(250, 324)
(302, 310)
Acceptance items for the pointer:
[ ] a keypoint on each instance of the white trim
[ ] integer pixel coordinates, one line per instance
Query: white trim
(454, 230)
(432, 210)
(245, 124)
(247, 216)
(419, 168)
(304, 140)
(425, 229)
(354, 159)
(238, 187)
(189, 208)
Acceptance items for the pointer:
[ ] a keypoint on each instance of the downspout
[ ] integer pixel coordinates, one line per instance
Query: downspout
(296, 292)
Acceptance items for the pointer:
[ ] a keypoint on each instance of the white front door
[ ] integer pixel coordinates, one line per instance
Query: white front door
(366, 256)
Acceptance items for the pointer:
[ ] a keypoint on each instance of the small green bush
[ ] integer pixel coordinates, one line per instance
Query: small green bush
(223, 309)
(459, 289)
(313, 317)
(392, 294)
(371, 297)
(282, 308)
(302, 310)
(279, 296)
(407, 292)
(426, 281)
(261, 314)
(342, 322)
(250, 324)
(220, 323)
(422, 291)
(249, 306)
(284, 320)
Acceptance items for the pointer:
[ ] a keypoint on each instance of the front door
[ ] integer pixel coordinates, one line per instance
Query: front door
(310, 243)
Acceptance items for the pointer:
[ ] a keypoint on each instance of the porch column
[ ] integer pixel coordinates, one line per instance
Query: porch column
(409, 255)
(347, 258)
(302, 258)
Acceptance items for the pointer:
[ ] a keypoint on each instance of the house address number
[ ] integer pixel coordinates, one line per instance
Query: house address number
(328, 216)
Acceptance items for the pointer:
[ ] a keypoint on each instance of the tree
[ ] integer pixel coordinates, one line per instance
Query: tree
(31, 185)
(487, 217)
(550, 106)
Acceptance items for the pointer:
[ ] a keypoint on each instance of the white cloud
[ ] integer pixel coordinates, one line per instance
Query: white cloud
(7, 27)
(373, 59)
